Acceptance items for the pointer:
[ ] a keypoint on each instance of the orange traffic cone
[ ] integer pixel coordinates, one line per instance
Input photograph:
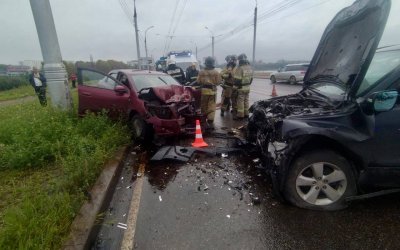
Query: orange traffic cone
(198, 141)
(273, 94)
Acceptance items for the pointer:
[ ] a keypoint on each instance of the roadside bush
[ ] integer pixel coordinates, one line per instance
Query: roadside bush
(48, 161)
(12, 82)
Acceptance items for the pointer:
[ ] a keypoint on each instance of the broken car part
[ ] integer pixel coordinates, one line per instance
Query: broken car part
(322, 143)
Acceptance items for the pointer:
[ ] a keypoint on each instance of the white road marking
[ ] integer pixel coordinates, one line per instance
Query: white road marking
(129, 235)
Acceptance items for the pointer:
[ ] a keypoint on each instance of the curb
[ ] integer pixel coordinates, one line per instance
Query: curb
(82, 228)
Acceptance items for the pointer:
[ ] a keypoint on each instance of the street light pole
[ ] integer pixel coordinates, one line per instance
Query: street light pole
(195, 44)
(212, 40)
(145, 43)
(137, 35)
(255, 33)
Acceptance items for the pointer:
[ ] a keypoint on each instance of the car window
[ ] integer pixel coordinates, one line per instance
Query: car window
(381, 65)
(114, 74)
(149, 81)
(97, 80)
(297, 68)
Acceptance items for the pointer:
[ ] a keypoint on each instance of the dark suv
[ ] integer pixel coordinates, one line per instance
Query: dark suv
(341, 134)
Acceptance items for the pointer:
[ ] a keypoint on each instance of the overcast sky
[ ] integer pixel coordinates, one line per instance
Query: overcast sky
(102, 28)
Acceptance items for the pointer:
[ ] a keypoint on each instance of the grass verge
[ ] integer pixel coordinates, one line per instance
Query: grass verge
(16, 93)
(48, 161)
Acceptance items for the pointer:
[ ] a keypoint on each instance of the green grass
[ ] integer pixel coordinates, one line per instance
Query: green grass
(17, 93)
(49, 159)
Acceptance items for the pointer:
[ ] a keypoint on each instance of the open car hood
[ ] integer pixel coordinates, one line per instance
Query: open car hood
(348, 44)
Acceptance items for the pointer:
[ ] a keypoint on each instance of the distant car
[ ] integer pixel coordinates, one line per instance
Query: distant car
(152, 102)
(339, 136)
(292, 73)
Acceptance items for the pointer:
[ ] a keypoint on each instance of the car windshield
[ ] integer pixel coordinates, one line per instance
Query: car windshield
(149, 81)
(382, 64)
(296, 67)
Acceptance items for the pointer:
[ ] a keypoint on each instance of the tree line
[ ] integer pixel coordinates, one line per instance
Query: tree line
(100, 65)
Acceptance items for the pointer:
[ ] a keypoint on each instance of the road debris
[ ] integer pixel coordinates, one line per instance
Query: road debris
(159, 197)
(228, 216)
(122, 225)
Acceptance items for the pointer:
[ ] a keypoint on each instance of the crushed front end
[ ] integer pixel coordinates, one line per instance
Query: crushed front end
(266, 127)
(170, 109)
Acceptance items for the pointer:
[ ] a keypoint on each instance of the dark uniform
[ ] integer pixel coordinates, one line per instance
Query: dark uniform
(209, 79)
(176, 72)
(39, 83)
(243, 79)
(192, 73)
(227, 85)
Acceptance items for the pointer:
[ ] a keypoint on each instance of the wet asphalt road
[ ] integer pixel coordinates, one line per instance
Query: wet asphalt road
(215, 202)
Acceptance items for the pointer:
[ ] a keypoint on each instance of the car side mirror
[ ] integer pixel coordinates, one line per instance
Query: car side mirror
(119, 89)
(385, 100)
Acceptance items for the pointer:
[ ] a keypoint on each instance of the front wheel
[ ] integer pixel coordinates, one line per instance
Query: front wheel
(320, 180)
(292, 80)
(273, 79)
(139, 128)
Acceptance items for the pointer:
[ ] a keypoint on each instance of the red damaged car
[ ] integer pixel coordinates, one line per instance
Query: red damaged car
(152, 102)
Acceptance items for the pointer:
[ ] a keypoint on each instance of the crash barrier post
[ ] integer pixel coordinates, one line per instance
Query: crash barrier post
(274, 94)
(198, 141)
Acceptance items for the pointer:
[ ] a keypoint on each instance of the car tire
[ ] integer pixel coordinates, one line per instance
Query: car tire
(292, 80)
(320, 180)
(139, 128)
(273, 79)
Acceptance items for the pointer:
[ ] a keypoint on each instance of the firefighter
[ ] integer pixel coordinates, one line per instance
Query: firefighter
(192, 73)
(175, 71)
(208, 80)
(243, 78)
(228, 80)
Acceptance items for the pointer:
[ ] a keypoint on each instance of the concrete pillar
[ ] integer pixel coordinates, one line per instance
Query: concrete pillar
(54, 69)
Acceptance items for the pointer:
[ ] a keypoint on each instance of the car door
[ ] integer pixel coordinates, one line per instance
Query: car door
(387, 137)
(280, 74)
(384, 171)
(98, 91)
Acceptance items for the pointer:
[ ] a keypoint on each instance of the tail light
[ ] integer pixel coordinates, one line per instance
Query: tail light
(302, 72)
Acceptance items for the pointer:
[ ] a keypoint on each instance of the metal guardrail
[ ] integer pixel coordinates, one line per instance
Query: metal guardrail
(262, 74)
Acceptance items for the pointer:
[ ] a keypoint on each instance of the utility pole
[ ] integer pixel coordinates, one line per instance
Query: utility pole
(255, 34)
(212, 40)
(54, 69)
(137, 35)
(145, 44)
(195, 44)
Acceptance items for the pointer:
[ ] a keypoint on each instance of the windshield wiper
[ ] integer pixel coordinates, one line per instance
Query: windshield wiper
(163, 80)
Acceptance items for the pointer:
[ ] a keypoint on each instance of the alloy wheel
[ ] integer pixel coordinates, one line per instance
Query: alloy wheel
(321, 183)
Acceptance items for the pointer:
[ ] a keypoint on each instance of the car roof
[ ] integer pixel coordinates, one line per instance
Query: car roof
(298, 64)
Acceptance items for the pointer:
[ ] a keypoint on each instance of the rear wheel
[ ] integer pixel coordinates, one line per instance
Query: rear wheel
(320, 180)
(292, 80)
(273, 79)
